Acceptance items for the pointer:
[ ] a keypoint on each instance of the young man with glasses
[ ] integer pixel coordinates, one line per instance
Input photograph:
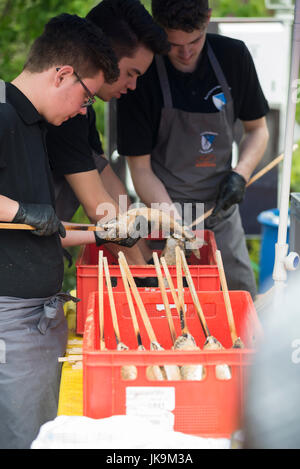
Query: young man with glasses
(33, 329)
(81, 171)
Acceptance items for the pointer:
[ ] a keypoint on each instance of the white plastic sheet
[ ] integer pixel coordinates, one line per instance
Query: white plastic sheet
(120, 431)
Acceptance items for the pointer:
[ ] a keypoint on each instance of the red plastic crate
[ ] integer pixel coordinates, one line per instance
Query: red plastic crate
(204, 272)
(211, 407)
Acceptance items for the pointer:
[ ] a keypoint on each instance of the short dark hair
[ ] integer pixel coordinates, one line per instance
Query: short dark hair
(71, 40)
(128, 24)
(185, 15)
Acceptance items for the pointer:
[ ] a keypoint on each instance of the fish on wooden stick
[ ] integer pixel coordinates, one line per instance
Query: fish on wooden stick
(223, 370)
(185, 341)
(236, 341)
(128, 372)
(131, 308)
(128, 225)
(167, 371)
(169, 252)
(164, 297)
(100, 300)
(176, 370)
(153, 372)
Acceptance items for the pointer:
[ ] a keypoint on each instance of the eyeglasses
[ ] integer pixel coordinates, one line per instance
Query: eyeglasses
(91, 98)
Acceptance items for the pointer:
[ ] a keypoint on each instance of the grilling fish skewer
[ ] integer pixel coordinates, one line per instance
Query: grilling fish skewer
(100, 300)
(175, 369)
(222, 371)
(153, 372)
(128, 372)
(131, 308)
(236, 341)
(185, 341)
(164, 297)
(168, 371)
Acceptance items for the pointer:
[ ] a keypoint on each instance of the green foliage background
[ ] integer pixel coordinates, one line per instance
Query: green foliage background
(23, 20)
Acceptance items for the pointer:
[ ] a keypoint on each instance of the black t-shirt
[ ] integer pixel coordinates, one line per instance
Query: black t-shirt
(139, 111)
(30, 266)
(70, 145)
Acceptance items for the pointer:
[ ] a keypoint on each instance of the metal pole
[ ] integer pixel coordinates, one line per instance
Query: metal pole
(281, 248)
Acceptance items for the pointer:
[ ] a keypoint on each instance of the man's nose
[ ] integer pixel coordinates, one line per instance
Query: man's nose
(132, 83)
(185, 52)
(83, 111)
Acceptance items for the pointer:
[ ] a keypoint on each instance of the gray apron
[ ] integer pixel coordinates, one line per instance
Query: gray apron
(33, 334)
(191, 157)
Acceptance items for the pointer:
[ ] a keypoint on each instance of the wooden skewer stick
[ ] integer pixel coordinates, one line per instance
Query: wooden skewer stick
(22, 226)
(137, 298)
(186, 341)
(131, 306)
(100, 300)
(171, 284)
(194, 294)
(184, 328)
(222, 371)
(156, 372)
(71, 358)
(164, 297)
(111, 302)
(254, 178)
(128, 372)
(236, 341)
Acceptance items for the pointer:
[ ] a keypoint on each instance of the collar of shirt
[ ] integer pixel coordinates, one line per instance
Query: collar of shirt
(23, 106)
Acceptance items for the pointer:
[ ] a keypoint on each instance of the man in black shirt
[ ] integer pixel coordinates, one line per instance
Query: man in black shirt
(177, 129)
(56, 83)
(81, 172)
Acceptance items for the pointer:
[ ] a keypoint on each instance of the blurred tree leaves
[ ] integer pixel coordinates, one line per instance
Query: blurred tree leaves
(246, 8)
(21, 21)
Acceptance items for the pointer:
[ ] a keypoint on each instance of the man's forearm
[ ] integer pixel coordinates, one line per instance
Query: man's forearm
(8, 208)
(94, 198)
(251, 151)
(151, 190)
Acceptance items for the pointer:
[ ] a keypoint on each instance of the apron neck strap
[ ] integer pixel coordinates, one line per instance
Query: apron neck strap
(164, 81)
(218, 72)
(2, 92)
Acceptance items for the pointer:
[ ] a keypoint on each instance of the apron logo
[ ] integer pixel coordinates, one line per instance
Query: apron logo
(206, 161)
(207, 140)
(219, 101)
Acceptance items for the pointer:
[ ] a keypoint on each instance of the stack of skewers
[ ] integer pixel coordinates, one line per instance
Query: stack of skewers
(180, 343)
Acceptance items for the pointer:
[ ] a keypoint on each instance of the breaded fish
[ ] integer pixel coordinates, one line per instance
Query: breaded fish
(189, 372)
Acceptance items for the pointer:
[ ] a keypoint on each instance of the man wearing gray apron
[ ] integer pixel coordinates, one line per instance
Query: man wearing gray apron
(28, 325)
(189, 114)
(33, 327)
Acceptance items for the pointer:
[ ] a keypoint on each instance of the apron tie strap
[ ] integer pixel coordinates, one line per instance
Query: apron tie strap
(51, 308)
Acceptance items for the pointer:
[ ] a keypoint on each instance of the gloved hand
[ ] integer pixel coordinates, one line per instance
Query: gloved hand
(42, 217)
(231, 191)
(113, 232)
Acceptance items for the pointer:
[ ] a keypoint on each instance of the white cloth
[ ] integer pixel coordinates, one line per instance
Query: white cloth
(119, 431)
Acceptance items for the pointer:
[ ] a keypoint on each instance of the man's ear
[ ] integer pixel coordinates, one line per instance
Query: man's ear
(209, 13)
(62, 73)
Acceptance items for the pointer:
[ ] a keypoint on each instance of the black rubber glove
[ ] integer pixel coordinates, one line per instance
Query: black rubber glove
(127, 242)
(42, 217)
(111, 235)
(231, 191)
